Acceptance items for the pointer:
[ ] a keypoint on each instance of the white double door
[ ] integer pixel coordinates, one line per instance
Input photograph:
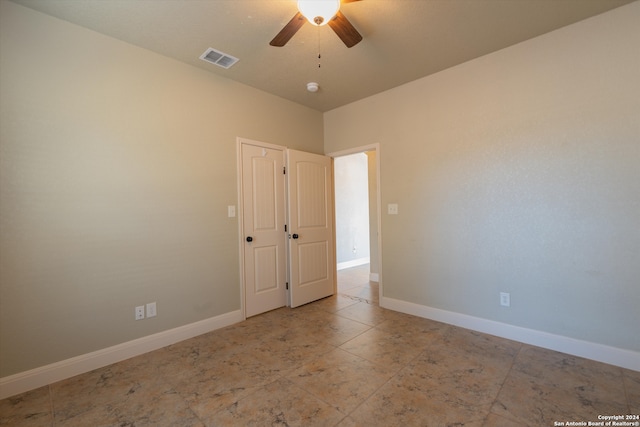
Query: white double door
(287, 227)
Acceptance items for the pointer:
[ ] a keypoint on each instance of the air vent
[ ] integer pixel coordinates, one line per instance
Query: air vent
(218, 58)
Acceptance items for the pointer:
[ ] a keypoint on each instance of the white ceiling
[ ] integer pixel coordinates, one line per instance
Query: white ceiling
(403, 39)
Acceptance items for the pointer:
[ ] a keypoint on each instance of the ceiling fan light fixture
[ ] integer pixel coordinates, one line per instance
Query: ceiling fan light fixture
(318, 12)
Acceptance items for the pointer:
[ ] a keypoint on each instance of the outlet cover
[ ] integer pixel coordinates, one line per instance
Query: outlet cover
(392, 209)
(151, 309)
(505, 299)
(140, 312)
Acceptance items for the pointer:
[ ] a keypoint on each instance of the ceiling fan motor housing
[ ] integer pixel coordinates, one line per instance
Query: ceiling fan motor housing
(318, 12)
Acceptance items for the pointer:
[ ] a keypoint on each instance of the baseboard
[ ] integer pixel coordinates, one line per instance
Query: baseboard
(612, 355)
(352, 263)
(373, 277)
(39, 377)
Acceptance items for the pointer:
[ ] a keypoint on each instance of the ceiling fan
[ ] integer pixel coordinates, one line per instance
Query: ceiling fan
(319, 12)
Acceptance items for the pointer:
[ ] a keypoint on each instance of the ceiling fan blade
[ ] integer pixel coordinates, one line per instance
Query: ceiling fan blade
(288, 31)
(343, 28)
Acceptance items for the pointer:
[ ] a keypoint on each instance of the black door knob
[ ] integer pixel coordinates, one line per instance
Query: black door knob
(249, 239)
(295, 236)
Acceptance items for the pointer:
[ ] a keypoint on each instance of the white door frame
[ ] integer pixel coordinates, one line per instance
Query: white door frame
(373, 147)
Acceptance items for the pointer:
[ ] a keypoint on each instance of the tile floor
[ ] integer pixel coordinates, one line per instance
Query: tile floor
(342, 361)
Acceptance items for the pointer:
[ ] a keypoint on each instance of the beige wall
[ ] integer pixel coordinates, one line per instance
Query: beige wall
(117, 166)
(519, 172)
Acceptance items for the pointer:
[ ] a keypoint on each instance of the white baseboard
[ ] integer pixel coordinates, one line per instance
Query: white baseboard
(352, 263)
(602, 353)
(373, 277)
(39, 377)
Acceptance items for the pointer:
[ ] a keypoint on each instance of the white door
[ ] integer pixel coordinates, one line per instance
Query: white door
(311, 248)
(264, 240)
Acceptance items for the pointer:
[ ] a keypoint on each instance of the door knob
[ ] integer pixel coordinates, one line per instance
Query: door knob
(249, 239)
(295, 236)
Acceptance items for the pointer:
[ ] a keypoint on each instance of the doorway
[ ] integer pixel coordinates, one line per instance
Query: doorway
(351, 178)
(357, 213)
(286, 226)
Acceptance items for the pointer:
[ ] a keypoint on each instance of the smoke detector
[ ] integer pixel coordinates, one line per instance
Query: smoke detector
(313, 87)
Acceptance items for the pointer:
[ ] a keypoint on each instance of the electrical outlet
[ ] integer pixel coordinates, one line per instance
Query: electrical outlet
(151, 309)
(140, 312)
(392, 209)
(505, 299)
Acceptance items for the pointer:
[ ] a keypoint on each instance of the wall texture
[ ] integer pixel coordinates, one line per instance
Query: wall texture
(520, 172)
(116, 169)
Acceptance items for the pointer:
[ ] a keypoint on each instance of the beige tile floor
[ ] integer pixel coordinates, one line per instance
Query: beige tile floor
(342, 361)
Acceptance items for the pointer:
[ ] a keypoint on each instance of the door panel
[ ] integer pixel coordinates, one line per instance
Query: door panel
(313, 256)
(263, 221)
(266, 268)
(311, 221)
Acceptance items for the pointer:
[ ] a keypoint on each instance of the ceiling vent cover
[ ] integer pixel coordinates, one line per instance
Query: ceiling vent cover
(218, 58)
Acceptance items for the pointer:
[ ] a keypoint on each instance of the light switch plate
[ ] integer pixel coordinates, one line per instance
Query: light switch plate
(151, 309)
(231, 211)
(505, 299)
(392, 209)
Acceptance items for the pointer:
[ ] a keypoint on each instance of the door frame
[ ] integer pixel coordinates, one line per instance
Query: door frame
(240, 213)
(240, 216)
(372, 147)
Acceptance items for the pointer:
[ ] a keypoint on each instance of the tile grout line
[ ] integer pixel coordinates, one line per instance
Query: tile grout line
(384, 383)
(164, 379)
(626, 392)
(51, 411)
(495, 400)
(294, 384)
(374, 363)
